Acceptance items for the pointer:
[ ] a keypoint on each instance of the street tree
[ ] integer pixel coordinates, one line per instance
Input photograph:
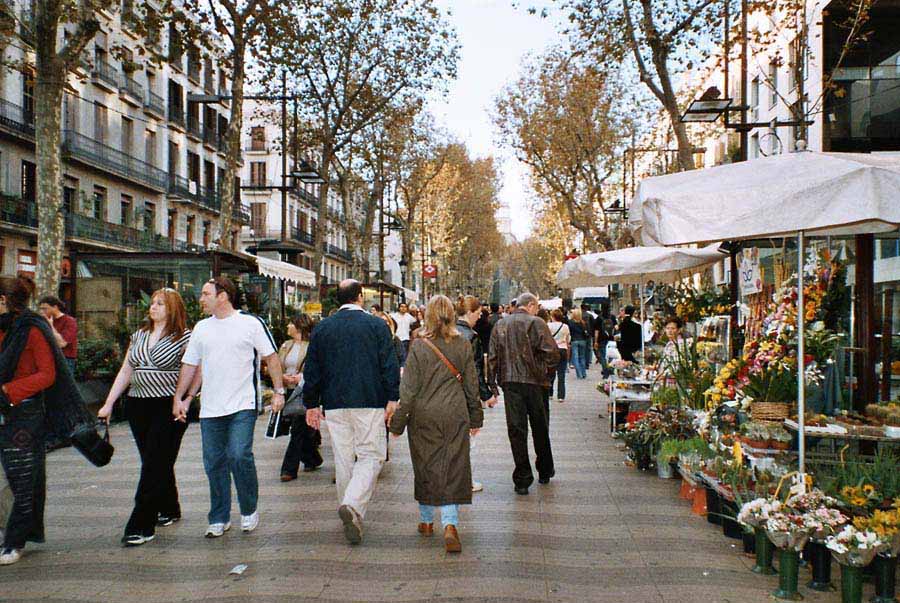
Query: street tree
(36, 32)
(560, 118)
(662, 38)
(239, 24)
(353, 60)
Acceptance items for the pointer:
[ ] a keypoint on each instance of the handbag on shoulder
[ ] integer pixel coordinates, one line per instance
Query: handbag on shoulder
(94, 447)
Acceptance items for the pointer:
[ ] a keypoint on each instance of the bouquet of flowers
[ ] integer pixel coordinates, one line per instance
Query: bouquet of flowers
(886, 525)
(756, 513)
(788, 530)
(854, 547)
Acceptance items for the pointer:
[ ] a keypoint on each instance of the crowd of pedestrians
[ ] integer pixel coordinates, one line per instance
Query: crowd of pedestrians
(427, 371)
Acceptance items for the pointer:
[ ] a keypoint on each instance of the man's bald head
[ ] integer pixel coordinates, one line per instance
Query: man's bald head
(349, 292)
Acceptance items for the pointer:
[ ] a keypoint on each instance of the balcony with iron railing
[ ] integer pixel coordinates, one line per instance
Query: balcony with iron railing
(176, 116)
(129, 88)
(93, 229)
(194, 129)
(337, 252)
(304, 237)
(104, 157)
(193, 69)
(204, 197)
(17, 120)
(154, 104)
(105, 75)
(241, 213)
(18, 211)
(307, 196)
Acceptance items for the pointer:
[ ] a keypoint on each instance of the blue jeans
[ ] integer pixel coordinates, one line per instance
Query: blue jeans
(227, 452)
(580, 351)
(560, 378)
(449, 514)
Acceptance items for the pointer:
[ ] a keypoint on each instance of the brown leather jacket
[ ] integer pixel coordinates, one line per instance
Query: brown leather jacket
(522, 350)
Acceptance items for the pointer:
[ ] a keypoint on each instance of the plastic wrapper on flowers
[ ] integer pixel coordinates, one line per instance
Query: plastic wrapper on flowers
(788, 530)
(885, 525)
(755, 513)
(853, 547)
(821, 515)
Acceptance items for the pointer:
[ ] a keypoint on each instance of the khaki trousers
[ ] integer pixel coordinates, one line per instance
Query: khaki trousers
(359, 442)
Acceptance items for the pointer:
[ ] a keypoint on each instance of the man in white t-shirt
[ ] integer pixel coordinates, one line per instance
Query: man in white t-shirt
(404, 322)
(227, 347)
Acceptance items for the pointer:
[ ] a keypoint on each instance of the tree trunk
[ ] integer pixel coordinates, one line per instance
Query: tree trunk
(408, 240)
(232, 148)
(322, 223)
(49, 86)
(349, 227)
(366, 236)
(669, 101)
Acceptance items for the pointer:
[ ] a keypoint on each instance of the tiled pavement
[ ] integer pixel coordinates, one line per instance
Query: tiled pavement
(598, 532)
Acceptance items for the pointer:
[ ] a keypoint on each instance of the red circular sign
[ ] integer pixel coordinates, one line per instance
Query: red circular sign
(430, 271)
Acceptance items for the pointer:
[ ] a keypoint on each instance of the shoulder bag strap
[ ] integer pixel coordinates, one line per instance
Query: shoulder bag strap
(456, 374)
(558, 330)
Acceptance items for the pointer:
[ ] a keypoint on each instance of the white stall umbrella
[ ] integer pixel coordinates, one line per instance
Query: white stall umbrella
(636, 265)
(785, 195)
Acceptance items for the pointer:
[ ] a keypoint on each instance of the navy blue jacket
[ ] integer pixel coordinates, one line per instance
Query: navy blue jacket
(351, 363)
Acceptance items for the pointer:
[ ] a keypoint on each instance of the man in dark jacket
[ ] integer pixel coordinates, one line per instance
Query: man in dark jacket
(351, 372)
(631, 334)
(522, 356)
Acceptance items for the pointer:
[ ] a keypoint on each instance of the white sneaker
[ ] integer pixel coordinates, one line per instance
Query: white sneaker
(477, 486)
(137, 539)
(10, 556)
(215, 530)
(249, 522)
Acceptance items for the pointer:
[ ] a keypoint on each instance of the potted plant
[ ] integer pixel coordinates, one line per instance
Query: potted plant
(755, 435)
(666, 458)
(780, 438)
(789, 532)
(853, 549)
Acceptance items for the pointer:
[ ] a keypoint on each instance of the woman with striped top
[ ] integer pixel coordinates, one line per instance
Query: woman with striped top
(150, 374)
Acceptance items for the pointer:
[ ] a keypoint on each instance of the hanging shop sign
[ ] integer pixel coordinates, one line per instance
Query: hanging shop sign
(749, 272)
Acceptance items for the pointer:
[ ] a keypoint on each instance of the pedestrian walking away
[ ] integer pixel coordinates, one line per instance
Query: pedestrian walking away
(149, 374)
(303, 446)
(580, 335)
(440, 405)
(522, 354)
(468, 312)
(560, 332)
(352, 375)
(630, 333)
(38, 397)
(226, 348)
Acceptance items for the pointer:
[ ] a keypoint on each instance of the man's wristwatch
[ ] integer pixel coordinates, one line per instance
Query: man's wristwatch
(280, 391)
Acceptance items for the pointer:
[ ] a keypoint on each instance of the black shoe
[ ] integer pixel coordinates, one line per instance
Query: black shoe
(543, 480)
(310, 468)
(522, 491)
(136, 539)
(167, 520)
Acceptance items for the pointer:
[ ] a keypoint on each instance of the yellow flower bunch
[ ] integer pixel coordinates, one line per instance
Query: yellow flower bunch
(860, 496)
(883, 523)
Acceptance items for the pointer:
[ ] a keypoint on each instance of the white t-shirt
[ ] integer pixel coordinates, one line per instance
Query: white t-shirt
(404, 322)
(228, 352)
(560, 332)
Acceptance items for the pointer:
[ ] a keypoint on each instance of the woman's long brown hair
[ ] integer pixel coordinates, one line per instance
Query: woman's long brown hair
(176, 313)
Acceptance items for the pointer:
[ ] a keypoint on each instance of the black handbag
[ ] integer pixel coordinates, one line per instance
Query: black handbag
(94, 447)
(294, 406)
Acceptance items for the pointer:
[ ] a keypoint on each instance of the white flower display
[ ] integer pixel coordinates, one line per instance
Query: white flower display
(756, 513)
(854, 547)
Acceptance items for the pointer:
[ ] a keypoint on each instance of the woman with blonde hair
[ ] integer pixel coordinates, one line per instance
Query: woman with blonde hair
(439, 403)
(580, 342)
(149, 374)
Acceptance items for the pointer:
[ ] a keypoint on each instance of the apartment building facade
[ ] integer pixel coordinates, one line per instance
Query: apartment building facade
(142, 165)
(261, 179)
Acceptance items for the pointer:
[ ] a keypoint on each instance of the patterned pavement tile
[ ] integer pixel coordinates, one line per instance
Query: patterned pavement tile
(599, 532)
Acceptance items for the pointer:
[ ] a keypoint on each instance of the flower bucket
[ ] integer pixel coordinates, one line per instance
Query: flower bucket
(664, 470)
(730, 527)
(748, 539)
(885, 568)
(820, 564)
(851, 584)
(788, 567)
(713, 507)
(764, 549)
(698, 506)
(687, 490)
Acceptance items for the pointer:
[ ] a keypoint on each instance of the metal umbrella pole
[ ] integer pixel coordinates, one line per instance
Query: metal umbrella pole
(801, 354)
(641, 290)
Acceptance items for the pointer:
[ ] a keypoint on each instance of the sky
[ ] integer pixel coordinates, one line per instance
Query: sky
(495, 36)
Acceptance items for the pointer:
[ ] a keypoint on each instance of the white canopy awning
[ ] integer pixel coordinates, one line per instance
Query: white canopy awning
(583, 292)
(551, 304)
(411, 296)
(634, 265)
(285, 272)
(819, 193)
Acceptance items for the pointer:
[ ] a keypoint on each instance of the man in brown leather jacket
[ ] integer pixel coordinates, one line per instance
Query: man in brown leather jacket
(522, 355)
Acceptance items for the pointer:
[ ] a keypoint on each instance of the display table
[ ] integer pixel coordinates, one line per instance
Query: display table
(630, 391)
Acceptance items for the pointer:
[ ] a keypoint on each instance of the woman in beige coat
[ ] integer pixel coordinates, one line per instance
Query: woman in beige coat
(439, 403)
